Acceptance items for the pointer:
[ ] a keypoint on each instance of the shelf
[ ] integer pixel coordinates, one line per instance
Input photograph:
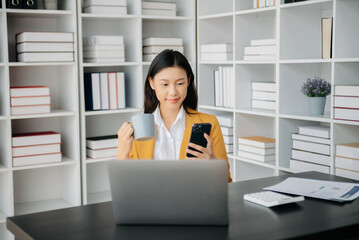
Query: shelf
(37, 13)
(99, 197)
(216, 62)
(105, 112)
(311, 4)
(219, 15)
(3, 217)
(254, 62)
(41, 206)
(65, 161)
(307, 117)
(343, 60)
(347, 122)
(256, 10)
(110, 64)
(3, 118)
(2, 64)
(306, 61)
(255, 111)
(89, 160)
(165, 18)
(23, 64)
(223, 109)
(107, 16)
(54, 113)
(3, 168)
(270, 164)
(287, 169)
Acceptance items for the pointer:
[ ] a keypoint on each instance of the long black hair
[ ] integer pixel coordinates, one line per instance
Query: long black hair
(169, 58)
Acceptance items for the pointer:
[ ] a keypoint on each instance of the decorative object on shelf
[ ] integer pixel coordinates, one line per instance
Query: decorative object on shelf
(317, 90)
(50, 4)
(115, 7)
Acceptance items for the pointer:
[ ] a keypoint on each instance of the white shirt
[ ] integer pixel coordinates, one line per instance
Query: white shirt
(168, 143)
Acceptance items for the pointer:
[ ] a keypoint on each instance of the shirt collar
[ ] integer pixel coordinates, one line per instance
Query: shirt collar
(181, 116)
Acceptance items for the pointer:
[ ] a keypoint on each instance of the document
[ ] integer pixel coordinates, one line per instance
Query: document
(328, 190)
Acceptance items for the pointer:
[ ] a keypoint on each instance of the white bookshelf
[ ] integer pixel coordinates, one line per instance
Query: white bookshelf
(297, 30)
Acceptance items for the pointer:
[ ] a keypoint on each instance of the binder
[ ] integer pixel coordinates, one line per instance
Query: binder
(14, 3)
(29, 4)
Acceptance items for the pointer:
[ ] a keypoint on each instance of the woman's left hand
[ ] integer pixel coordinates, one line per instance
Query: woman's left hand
(207, 152)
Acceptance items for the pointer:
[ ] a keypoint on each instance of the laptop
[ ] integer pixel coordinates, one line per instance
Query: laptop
(169, 192)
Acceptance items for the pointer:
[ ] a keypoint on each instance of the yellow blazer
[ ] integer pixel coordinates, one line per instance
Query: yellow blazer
(145, 149)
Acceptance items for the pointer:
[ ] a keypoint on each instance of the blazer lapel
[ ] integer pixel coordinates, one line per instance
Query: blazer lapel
(190, 120)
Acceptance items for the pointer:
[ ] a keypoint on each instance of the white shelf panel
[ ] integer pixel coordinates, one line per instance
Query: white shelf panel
(54, 113)
(104, 112)
(3, 217)
(346, 60)
(270, 164)
(223, 109)
(255, 62)
(110, 64)
(107, 16)
(259, 112)
(307, 61)
(3, 117)
(290, 170)
(347, 122)
(98, 197)
(219, 15)
(175, 18)
(24, 64)
(65, 161)
(146, 63)
(41, 206)
(256, 10)
(3, 168)
(38, 13)
(89, 160)
(2, 64)
(304, 3)
(306, 116)
(216, 62)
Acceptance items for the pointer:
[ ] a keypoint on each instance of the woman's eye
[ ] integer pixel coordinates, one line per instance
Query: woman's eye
(164, 84)
(180, 83)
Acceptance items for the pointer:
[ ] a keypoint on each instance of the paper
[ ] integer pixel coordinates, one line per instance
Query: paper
(329, 190)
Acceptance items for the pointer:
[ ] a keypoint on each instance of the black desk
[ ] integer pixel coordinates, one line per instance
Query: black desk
(312, 218)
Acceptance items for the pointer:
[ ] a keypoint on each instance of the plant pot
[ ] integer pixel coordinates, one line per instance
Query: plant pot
(50, 4)
(316, 105)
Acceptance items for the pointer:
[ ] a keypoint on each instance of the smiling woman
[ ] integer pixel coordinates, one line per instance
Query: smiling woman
(170, 95)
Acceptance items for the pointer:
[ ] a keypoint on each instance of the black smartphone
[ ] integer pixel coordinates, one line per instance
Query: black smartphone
(197, 135)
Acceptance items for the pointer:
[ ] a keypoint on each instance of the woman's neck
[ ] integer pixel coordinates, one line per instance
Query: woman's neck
(169, 116)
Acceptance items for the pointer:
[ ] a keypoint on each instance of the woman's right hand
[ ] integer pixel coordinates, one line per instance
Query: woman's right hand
(125, 141)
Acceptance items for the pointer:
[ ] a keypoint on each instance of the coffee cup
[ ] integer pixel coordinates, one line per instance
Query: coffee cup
(143, 126)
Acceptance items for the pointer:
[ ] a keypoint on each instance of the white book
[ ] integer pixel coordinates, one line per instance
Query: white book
(264, 86)
(36, 159)
(225, 86)
(346, 102)
(311, 157)
(159, 5)
(315, 131)
(100, 142)
(158, 12)
(346, 114)
(225, 120)
(227, 131)
(101, 153)
(259, 57)
(112, 89)
(45, 57)
(260, 50)
(105, 104)
(347, 163)
(268, 96)
(312, 147)
(262, 104)
(347, 173)
(104, 54)
(228, 139)
(105, 48)
(103, 40)
(255, 3)
(346, 90)
(121, 90)
(216, 48)
(270, 3)
(349, 150)
(29, 110)
(92, 91)
(35, 150)
(217, 92)
(257, 150)
(221, 86)
(263, 42)
(216, 56)
(35, 138)
(44, 37)
(261, 3)
(311, 139)
(114, 10)
(157, 41)
(158, 49)
(25, 101)
(105, 2)
(104, 60)
(45, 47)
(29, 91)
(257, 141)
(229, 148)
(306, 166)
(257, 157)
(149, 57)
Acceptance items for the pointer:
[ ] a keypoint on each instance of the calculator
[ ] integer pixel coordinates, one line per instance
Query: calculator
(271, 199)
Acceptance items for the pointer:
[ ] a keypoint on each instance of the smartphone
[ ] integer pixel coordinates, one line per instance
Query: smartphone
(197, 135)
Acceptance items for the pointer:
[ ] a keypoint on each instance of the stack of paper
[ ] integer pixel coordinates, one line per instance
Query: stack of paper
(256, 148)
(45, 46)
(159, 9)
(104, 48)
(223, 85)
(311, 149)
(217, 52)
(261, 50)
(116, 7)
(226, 123)
(347, 160)
(346, 102)
(101, 147)
(36, 148)
(29, 100)
(154, 45)
(264, 95)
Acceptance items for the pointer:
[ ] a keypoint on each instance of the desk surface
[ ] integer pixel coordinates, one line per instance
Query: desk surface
(311, 218)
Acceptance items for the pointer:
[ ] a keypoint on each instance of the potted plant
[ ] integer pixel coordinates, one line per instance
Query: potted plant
(316, 89)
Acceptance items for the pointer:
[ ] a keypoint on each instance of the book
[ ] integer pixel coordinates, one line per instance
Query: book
(346, 102)
(346, 90)
(306, 166)
(25, 101)
(264, 86)
(257, 141)
(36, 159)
(311, 139)
(257, 150)
(257, 157)
(327, 30)
(104, 48)
(92, 91)
(346, 114)
(229, 148)
(104, 60)
(158, 49)
(224, 56)
(112, 90)
(216, 48)
(121, 90)
(259, 57)
(157, 41)
(311, 157)
(104, 54)
(315, 131)
(45, 47)
(102, 153)
(228, 139)
(109, 141)
(35, 138)
(261, 95)
(347, 173)
(227, 131)
(29, 91)
(45, 57)
(311, 147)
(159, 5)
(103, 40)
(105, 103)
(44, 37)
(262, 104)
(217, 92)
(349, 150)
(263, 42)
(105, 2)
(158, 12)
(114, 10)
(29, 110)
(35, 149)
(260, 50)
(347, 163)
(225, 120)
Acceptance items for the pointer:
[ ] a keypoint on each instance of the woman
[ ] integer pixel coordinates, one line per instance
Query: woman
(171, 96)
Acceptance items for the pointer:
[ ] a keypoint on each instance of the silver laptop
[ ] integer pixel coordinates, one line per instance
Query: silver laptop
(180, 192)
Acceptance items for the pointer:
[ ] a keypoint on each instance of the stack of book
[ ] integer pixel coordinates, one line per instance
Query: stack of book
(45, 46)
(256, 148)
(347, 160)
(311, 149)
(116, 7)
(263, 3)
(261, 50)
(29, 100)
(264, 95)
(36, 148)
(159, 9)
(226, 123)
(154, 45)
(104, 90)
(104, 48)
(101, 147)
(223, 85)
(217, 52)
(346, 102)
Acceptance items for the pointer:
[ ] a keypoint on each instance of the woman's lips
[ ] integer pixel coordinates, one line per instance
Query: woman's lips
(173, 100)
